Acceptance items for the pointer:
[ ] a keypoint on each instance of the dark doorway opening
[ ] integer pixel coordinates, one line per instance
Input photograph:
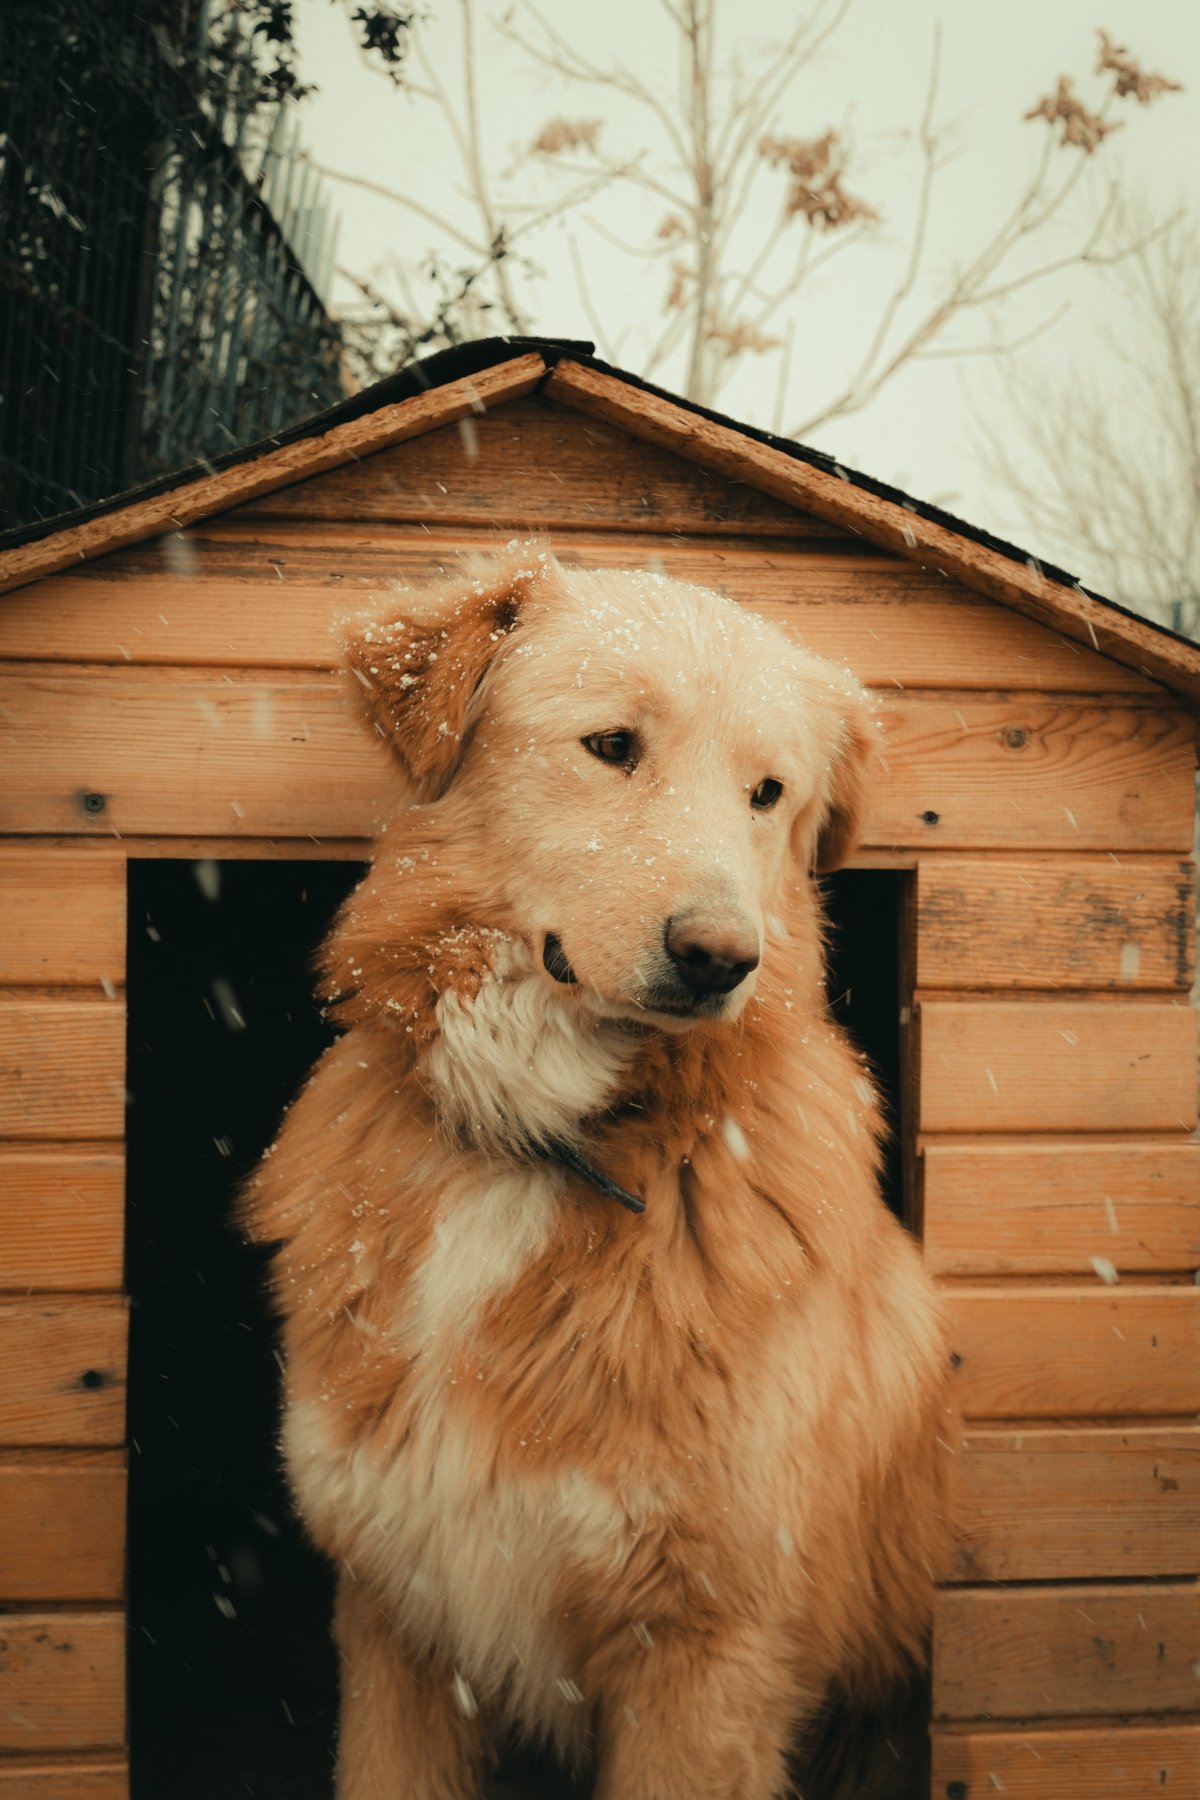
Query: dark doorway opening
(233, 1676)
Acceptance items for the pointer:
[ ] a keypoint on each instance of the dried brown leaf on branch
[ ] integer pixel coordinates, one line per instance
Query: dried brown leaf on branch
(1131, 79)
(1087, 130)
(737, 338)
(567, 134)
(816, 166)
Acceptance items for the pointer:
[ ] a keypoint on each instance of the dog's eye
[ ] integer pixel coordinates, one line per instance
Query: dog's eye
(766, 793)
(613, 747)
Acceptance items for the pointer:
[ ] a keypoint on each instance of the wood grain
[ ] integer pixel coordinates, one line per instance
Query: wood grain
(62, 1525)
(1103, 1762)
(62, 1222)
(1002, 1065)
(62, 1068)
(886, 522)
(278, 753)
(62, 1371)
(1096, 1352)
(1022, 1208)
(1083, 923)
(209, 494)
(62, 918)
(1072, 1651)
(230, 594)
(74, 1778)
(533, 467)
(1038, 1504)
(62, 1681)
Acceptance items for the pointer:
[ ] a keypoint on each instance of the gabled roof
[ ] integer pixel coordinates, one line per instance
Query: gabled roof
(475, 377)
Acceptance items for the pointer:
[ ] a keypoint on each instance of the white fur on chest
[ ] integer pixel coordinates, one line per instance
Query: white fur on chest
(519, 1063)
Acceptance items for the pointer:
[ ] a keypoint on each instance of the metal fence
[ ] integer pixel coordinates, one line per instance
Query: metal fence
(162, 264)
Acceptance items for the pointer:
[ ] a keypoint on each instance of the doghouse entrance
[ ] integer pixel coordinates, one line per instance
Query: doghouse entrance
(232, 1673)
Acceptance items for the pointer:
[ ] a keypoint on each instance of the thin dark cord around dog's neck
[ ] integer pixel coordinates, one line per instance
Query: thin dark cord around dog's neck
(556, 1150)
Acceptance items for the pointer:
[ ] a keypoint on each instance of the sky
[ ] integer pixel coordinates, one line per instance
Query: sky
(869, 80)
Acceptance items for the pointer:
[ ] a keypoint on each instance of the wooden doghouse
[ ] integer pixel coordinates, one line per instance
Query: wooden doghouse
(168, 695)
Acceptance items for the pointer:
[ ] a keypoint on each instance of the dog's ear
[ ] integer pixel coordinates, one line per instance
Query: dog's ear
(420, 678)
(849, 786)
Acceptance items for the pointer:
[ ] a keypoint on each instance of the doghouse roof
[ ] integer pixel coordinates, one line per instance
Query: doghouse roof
(475, 377)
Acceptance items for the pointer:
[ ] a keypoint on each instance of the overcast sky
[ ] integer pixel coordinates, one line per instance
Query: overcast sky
(870, 81)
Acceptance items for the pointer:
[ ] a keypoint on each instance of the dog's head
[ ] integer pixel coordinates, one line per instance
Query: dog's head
(641, 769)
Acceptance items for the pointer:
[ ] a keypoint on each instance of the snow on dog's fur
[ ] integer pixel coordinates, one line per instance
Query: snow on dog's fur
(655, 1489)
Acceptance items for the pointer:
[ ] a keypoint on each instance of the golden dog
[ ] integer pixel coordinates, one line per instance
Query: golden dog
(613, 1388)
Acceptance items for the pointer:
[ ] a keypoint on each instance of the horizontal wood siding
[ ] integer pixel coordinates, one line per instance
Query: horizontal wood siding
(1039, 1504)
(533, 467)
(1077, 923)
(62, 1220)
(76, 1778)
(62, 1525)
(62, 1068)
(1065, 1652)
(1090, 1352)
(1022, 1208)
(233, 595)
(1001, 1065)
(283, 754)
(62, 1370)
(1100, 1762)
(63, 1681)
(62, 918)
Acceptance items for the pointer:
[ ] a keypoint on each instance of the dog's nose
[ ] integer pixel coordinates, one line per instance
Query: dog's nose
(711, 956)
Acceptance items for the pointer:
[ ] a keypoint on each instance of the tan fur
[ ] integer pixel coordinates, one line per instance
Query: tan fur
(653, 1488)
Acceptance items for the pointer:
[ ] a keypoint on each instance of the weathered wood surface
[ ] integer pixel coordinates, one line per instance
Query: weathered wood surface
(62, 1525)
(1102, 1762)
(1080, 923)
(62, 1371)
(527, 467)
(1038, 1504)
(1046, 1352)
(1071, 1065)
(1065, 1652)
(1028, 1208)
(62, 1068)
(229, 594)
(278, 753)
(65, 1778)
(62, 1218)
(209, 494)
(62, 918)
(1024, 586)
(62, 1681)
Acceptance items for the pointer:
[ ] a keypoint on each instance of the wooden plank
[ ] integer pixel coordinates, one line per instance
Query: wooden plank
(234, 593)
(1045, 1352)
(278, 753)
(208, 494)
(62, 918)
(62, 1371)
(62, 1681)
(62, 1223)
(533, 467)
(1027, 1208)
(62, 1525)
(884, 521)
(62, 1068)
(1026, 773)
(1106, 1762)
(1039, 1505)
(1067, 1652)
(1071, 1065)
(76, 1778)
(1079, 923)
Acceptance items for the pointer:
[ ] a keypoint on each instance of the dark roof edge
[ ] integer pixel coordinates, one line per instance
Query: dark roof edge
(461, 361)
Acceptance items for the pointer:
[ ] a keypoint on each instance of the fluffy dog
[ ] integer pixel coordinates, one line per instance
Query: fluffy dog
(613, 1388)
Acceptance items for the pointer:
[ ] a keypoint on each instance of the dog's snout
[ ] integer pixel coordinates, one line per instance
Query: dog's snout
(711, 955)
